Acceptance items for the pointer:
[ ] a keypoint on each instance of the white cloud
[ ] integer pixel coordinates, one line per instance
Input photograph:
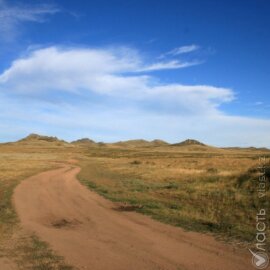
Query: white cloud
(104, 72)
(73, 70)
(184, 49)
(12, 16)
(74, 92)
(173, 64)
(180, 50)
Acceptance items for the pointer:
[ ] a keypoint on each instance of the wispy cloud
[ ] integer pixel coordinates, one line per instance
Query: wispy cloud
(181, 50)
(11, 17)
(184, 49)
(173, 64)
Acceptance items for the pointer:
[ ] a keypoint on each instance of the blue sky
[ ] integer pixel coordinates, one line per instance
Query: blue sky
(117, 70)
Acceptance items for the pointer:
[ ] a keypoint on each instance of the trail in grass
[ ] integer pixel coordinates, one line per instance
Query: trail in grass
(92, 233)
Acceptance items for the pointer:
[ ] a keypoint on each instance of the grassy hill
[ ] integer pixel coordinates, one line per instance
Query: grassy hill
(41, 140)
(84, 142)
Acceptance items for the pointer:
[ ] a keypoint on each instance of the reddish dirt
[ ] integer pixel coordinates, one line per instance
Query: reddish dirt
(86, 229)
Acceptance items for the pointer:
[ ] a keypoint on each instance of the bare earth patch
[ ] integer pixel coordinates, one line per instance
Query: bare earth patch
(65, 223)
(6, 264)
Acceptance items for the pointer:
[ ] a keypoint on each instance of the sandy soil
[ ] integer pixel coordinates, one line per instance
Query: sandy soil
(91, 233)
(6, 264)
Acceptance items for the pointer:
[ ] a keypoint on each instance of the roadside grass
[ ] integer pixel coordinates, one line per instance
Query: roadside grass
(16, 164)
(207, 192)
(36, 255)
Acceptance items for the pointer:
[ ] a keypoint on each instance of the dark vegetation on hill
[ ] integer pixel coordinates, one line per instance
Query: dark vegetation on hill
(36, 137)
(189, 142)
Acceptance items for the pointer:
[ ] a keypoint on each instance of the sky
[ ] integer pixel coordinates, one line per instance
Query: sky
(124, 69)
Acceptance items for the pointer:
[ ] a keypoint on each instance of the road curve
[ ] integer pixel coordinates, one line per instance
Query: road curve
(91, 234)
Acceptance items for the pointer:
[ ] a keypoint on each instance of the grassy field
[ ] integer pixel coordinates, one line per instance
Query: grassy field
(195, 187)
(16, 164)
(210, 191)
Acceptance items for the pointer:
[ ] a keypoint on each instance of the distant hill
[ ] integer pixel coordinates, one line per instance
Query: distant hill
(132, 143)
(140, 143)
(189, 142)
(84, 141)
(187, 145)
(159, 143)
(39, 139)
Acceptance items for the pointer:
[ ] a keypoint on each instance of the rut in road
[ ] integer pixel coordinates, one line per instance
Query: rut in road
(86, 229)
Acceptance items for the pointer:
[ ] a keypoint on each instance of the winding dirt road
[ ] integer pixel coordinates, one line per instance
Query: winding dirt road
(91, 234)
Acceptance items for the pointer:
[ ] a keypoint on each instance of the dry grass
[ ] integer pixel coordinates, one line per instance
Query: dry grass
(197, 190)
(16, 164)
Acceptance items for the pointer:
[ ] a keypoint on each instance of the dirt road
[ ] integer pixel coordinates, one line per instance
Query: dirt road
(91, 234)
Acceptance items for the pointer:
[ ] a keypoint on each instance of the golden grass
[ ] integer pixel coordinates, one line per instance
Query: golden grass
(17, 163)
(192, 189)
